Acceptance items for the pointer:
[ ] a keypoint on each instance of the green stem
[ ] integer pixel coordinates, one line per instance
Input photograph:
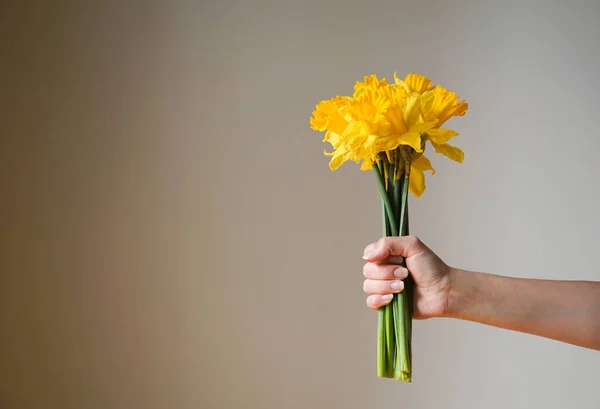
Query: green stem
(382, 364)
(394, 351)
(402, 350)
(391, 185)
(397, 202)
(385, 336)
(409, 288)
(386, 200)
(404, 205)
(402, 315)
(390, 340)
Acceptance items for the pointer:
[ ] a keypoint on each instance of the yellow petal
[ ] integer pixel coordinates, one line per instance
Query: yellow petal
(412, 139)
(426, 102)
(461, 109)
(358, 137)
(369, 105)
(337, 160)
(367, 149)
(441, 135)
(320, 116)
(412, 110)
(336, 123)
(418, 83)
(395, 94)
(333, 138)
(353, 132)
(326, 115)
(450, 151)
(423, 163)
(414, 83)
(401, 84)
(442, 104)
(395, 118)
(317, 121)
(367, 164)
(370, 83)
(416, 184)
(422, 127)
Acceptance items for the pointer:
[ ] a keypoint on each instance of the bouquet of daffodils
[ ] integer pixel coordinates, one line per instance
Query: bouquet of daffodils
(386, 127)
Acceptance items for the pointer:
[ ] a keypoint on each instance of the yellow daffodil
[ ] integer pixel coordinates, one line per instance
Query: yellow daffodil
(437, 104)
(442, 104)
(370, 83)
(381, 117)
(386, 127)
(414, 83)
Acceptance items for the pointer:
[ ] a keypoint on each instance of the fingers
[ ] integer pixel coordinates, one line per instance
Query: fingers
(384, 271)
(382, 286)
(387, 247)
(383, 281)
(377, 301)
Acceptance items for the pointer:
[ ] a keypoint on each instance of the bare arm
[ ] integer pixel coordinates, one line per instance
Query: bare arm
(567, 311)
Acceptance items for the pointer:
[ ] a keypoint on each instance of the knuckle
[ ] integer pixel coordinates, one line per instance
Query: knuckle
(384, 286)
(367, 270)
(413, 240)
(383, 242)
(366, 286)
(371, 303)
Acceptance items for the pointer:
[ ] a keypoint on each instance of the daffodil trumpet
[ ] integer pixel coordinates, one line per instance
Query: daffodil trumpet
(386, 127)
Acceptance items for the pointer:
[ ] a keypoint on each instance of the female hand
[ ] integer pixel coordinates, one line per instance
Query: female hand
(384, 276)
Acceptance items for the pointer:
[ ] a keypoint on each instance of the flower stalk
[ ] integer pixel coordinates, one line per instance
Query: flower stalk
(394, 319)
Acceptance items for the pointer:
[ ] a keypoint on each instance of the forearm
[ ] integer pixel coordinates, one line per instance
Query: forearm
(567, 311)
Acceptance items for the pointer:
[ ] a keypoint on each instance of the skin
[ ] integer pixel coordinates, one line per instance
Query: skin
(566, 311)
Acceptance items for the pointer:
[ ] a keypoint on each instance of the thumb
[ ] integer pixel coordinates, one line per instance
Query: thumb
(386, 247)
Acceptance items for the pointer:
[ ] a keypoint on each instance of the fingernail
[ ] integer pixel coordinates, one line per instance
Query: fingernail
(387, 297)
(397, 285)
(401, 272)
(369, 254)
(395, 260)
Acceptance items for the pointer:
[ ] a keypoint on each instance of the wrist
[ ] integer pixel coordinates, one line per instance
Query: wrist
(461, 285)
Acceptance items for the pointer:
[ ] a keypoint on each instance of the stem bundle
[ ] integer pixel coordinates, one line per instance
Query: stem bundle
(394, 330)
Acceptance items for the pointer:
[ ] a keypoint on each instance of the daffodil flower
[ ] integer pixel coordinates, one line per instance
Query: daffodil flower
(386, 127)
(381, 117)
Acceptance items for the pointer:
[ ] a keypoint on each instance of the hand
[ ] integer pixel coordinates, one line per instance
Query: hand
(384, 275)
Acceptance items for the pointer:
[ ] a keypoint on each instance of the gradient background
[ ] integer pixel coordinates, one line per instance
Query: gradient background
(171, 236)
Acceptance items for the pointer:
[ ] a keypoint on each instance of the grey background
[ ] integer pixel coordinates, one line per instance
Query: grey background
(171, 236)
